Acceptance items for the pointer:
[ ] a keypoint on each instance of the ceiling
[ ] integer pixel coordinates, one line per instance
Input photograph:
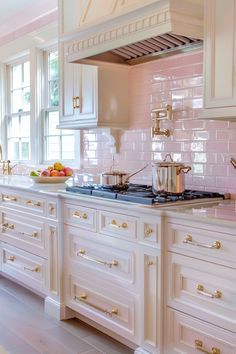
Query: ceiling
(16, 13)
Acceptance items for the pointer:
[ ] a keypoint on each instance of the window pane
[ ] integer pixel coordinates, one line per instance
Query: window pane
(53, 93)
(24, 149)
(53, 148)
(13, 127)
(53, 121)
(17, 102)
(25, 126)
(68, 146)
(13, 149)
(16, 76)
(53, 66)
(26, 74)
(26, 99)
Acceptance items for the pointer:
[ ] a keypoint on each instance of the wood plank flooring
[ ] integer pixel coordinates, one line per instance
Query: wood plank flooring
(26, 329)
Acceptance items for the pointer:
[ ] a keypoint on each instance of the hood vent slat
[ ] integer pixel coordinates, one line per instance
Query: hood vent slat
(161, 44)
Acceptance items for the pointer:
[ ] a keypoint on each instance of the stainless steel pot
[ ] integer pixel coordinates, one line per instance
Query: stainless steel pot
(117, 179)
(168, 176)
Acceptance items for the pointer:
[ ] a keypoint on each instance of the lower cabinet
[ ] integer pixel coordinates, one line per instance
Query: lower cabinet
(188, 335)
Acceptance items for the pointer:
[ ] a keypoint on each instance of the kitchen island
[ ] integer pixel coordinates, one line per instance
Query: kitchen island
(151, 277)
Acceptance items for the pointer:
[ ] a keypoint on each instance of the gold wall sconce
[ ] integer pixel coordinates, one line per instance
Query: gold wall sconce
(157, 115)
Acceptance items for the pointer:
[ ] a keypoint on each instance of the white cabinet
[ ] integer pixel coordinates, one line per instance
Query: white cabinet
(92, 96)
(200, 282)
(220, 60)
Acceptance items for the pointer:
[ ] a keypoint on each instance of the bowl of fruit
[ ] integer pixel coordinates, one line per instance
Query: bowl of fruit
(56, 173)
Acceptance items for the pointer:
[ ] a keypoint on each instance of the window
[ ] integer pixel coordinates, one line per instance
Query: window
(18, 120)
(58, 144)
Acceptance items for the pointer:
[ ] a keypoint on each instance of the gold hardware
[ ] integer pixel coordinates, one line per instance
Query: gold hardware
(76, 103)
(11, 258)
(77, 214)
(8, 226)
(160, 114)
(7, 198)
(216, 245)
(82, 253)
(51, 208)
(34, 234)
(200, 290)
(148, 231)
(83, 298)
(150, 263)
(30, 202)
(36, 269)
(199, 346)
(52, 231)
(124, 225)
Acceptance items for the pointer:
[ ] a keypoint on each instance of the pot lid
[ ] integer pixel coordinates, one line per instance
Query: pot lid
(114, 173)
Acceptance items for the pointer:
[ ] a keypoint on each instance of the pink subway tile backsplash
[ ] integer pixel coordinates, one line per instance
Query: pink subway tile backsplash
(205, 145)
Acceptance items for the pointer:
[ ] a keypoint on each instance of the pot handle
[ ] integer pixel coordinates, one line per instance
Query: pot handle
(168, 156)
(141, 169)
(184, 169)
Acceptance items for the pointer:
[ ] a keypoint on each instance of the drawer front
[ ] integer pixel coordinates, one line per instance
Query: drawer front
(118, 225)
(24, 202)
(187, 335)
(115, 260)
(24, 233)
(205, 287)
(25, 267)
(80, 216)
(215, 246)
(110, 306)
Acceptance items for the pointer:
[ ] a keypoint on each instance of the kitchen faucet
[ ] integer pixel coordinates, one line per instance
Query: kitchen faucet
(6, 167)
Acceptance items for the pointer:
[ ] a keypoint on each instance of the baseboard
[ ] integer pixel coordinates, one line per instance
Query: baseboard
(57, 310)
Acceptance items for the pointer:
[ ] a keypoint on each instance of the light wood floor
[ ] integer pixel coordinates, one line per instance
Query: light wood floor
(26, 329)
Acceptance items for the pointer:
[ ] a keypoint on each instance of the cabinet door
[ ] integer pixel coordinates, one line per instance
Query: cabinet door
(78, 94)
(220, 58)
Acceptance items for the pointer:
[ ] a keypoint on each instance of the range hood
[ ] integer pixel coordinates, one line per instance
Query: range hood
(159, 28)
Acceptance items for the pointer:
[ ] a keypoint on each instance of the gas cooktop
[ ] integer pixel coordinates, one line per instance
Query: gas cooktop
(142, 194)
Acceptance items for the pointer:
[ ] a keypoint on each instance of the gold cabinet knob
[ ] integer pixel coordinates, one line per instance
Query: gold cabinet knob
(11, 258)
(148, 231)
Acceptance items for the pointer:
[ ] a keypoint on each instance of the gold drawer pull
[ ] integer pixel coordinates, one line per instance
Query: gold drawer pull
(30, 202)
(7, 226)
(188, 239)
(148, 231)
(113, 223)
(51, 208)
(82, 253)
(35, 269)
(200, 290)
(34, 233)
(77, 214)
(7, 198)
(83, 298)
(11, 258)
(199, 346)
(76, 102)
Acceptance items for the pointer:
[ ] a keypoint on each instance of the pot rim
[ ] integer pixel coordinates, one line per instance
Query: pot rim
(168, 164)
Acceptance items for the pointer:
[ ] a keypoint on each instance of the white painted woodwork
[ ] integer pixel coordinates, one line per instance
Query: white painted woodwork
(23, 201)
(101, 299)
(118, 225)
(25, 267)
(151, 273)
(99, 254)
(21, 231)
(100, 93)
(219, 72)
(182, 331)
(77, 215)
(186, 274)
(201, 235)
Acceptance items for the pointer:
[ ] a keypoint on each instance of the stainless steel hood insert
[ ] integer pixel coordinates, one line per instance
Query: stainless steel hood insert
(157, 29)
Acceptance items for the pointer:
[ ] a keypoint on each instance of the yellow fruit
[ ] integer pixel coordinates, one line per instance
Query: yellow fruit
(58, 166)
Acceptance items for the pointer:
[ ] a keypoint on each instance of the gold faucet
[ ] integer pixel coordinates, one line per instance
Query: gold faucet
(160, 114)
(6, 167)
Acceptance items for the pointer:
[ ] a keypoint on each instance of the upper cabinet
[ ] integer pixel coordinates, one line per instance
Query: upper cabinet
(82, 13)
(92, 96)
(220, 60)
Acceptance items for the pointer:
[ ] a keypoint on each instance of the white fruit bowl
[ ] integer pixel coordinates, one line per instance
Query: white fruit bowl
(41, 179)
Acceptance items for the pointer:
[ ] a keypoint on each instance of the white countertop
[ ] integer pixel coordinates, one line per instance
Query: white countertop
(218, 212)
